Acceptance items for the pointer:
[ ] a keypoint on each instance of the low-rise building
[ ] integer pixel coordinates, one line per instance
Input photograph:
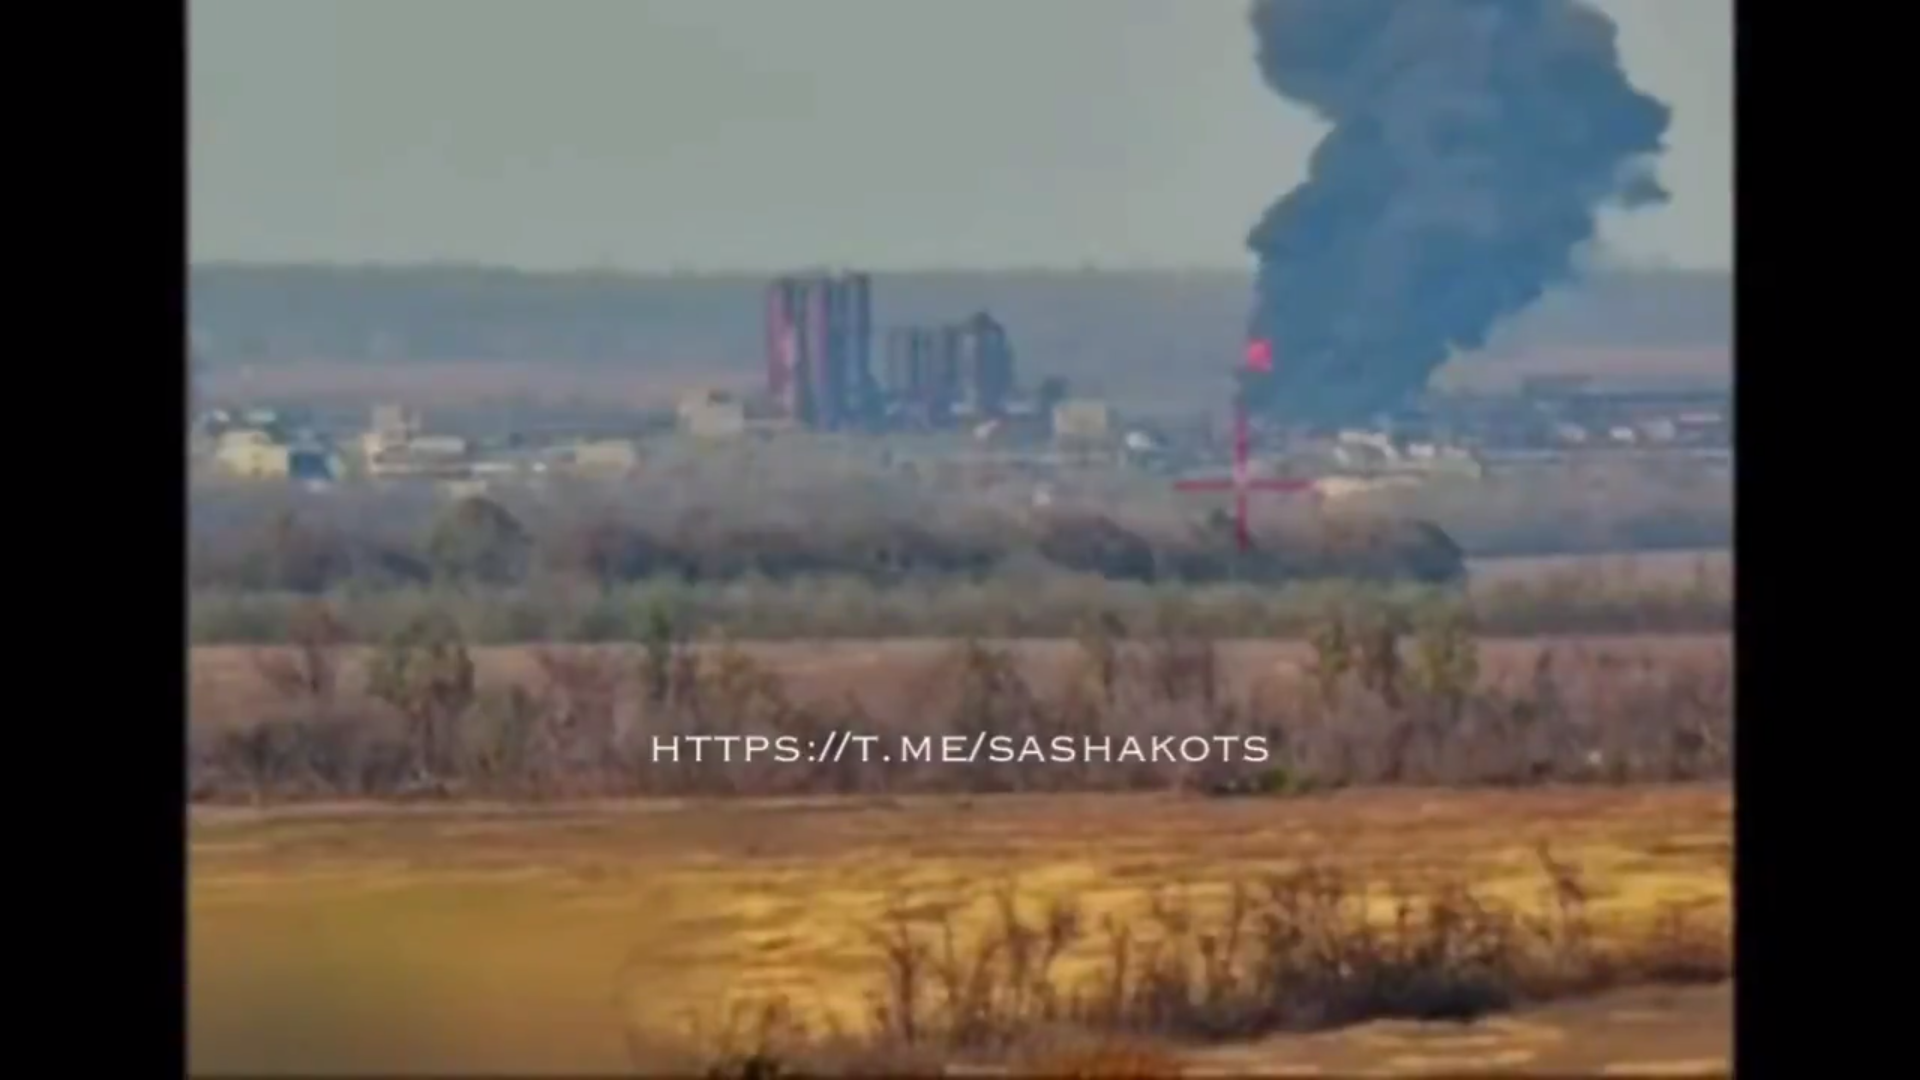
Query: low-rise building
(251, 454)
(1082, 420)
(263, 460)
(469, 488)
(1347, 487)
(444, 447)
(440, 456)
(713, 414)
(395, 421)
(607, 456)
(1659, 429)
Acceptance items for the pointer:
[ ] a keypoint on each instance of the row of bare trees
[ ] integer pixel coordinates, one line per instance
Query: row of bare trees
(1386, 700)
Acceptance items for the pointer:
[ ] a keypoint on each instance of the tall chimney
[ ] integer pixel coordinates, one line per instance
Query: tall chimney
(782, 344)
(817, 357)
(862, 399)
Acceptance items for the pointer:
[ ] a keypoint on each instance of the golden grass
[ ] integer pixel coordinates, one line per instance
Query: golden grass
(521, 940)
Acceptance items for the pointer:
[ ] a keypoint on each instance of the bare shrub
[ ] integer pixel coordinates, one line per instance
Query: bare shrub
(1183, 664)
(664, 650)
(1036, 601)
(294, 554)
(1297, 951)
(310, 755)
(1387, 700)
(426, 674)
(477, 540)
(307, 673)
(578, 703)
(601, 548)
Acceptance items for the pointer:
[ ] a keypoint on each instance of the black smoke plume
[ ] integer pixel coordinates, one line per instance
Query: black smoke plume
(1472, 143)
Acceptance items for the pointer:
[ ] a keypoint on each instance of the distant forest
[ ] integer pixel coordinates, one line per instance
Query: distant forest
(1082, 324)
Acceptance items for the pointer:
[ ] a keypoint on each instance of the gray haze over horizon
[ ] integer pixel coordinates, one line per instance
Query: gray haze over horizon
(758, 134)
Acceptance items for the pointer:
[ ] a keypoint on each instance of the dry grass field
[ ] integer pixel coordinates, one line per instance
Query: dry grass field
(1623, 570)
(886, 676)
(590, 938)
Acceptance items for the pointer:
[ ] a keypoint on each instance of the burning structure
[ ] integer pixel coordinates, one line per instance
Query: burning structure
(1469, 146)
(820, 371)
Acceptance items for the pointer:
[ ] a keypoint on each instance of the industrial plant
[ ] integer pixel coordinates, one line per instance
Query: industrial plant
(831, 366)
(820, 338)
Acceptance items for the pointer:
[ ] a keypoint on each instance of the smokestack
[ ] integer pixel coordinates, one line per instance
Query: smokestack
(930, 396)
(861, 397)
(782, 344)
(909, 372)
(988, 362)
(944, 342)
(815, 357)
(897, 364)
(839, 348)
(1472, 143)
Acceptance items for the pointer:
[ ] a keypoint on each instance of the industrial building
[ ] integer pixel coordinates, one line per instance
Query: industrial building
(820, 371)
(935, 375)
(819, 335)
(395, 445)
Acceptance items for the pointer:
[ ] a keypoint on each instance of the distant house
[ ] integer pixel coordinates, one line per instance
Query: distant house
(311, 464)
(607, 456)
(1660, 429)
(440, 456)
(1347, 487)
(1082, 420)
(469, 488)
(256, 462)
(253, 454)
(443, 447)
(396, 422)
(713, 414)
(250, 452)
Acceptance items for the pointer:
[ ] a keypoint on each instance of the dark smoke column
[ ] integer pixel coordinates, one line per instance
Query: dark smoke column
(1472, 143)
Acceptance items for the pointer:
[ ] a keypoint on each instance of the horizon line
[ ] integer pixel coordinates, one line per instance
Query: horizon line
(609, 270)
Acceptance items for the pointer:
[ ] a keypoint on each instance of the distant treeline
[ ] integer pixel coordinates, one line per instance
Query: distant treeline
(792, 513)
(1079, 324)
(777, 546)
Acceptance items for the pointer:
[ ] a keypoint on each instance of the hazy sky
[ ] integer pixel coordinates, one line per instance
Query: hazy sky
(759, 134)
